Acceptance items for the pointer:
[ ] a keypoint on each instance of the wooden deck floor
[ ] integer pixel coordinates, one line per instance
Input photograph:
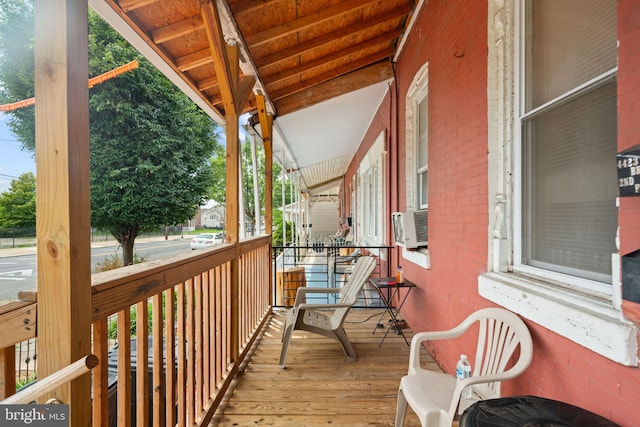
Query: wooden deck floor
(319, 387)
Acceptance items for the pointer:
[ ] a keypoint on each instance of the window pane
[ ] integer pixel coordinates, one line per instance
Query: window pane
(571, 184)
(423, 137)
(569, 42)
(423, 190)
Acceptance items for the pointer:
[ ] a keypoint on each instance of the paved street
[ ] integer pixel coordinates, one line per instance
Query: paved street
(18, 266)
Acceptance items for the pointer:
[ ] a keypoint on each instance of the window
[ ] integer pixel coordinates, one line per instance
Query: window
(423, 152)
(551, 152)
(417, 155)
(370, 194)
(371, 201)
(417, 141)
(569, 134)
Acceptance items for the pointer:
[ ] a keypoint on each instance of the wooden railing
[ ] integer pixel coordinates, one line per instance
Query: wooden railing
(53, 381)
(192, 319)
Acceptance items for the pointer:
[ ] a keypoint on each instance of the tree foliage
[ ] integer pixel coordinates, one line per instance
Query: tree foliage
(17, 66)
(277, 237)
(218, 189)
(18, 204)
(150, 144)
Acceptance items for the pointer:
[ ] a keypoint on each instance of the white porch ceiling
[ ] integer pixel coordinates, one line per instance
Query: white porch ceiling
(320, 141)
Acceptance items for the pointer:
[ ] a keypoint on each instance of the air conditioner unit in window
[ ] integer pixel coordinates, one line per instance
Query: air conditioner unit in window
(410, 228)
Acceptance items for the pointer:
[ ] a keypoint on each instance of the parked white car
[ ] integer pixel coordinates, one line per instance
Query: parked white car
(204, 240)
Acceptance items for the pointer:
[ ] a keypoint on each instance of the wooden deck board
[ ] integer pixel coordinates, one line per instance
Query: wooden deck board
(319, 387)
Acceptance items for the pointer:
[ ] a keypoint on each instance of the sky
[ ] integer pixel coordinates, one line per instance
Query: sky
(13, 161)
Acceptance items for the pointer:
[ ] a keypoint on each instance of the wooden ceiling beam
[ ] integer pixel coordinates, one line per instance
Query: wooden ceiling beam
(219, 54)
(208, 83)
(234, 89)
(335, 56)
(178, 29)
(129, 5)
(309, 45)
(344, 84)
(194, 60)
(332, 74)
(244, 91)
(306, 21)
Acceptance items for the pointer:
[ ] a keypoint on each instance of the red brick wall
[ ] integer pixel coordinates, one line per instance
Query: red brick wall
(629, 114)
(621, 395)
(452, 38)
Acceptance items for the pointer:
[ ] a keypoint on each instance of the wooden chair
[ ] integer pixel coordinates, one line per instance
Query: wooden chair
(327, 319)
(435, 396)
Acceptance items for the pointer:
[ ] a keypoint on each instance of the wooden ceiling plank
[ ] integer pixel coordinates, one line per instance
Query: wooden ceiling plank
(312, 19)
(338, 86)
(208, 83)
(219, 53)
(129, 5)
(194, 60)
(322, 61)
(332, 74)
(178, 29)
(138, 27)
(243, 7)
(332, 37)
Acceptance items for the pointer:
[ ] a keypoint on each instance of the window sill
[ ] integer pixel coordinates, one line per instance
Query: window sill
(588, 321)
(419, 257)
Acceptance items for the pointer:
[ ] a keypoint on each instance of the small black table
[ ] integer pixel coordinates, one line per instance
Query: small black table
(388, 289)
(529, 411)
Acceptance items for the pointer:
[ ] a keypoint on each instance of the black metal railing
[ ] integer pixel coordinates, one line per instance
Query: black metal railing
(323, 266)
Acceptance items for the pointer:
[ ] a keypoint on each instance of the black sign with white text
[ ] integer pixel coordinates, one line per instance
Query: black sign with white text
(628, 163)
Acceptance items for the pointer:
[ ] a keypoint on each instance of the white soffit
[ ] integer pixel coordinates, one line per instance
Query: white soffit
(333, 128)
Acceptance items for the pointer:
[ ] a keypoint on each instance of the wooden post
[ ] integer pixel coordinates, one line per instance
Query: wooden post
(234, 92)
(63, 210)
(266, 126)
(232, 219)
(7, 371)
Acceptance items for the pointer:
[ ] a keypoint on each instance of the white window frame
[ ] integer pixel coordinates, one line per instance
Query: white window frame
(586, 313)
(418, 91)
(370, 194)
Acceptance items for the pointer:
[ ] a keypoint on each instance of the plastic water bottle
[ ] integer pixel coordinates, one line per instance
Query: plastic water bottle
(463, 370)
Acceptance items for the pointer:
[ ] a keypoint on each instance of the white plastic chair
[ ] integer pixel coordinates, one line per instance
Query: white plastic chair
(327, 319)
(435, 396)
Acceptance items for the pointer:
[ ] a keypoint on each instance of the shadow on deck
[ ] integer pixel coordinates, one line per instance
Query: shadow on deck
(320, 387)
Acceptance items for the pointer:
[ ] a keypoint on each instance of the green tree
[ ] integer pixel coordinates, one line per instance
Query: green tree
(248, 184)
(150, 144)
(18, 204)
(217, 191)
(17, 66)
(218, 188)
(277, 238)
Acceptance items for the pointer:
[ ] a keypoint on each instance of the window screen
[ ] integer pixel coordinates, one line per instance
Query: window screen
(570, 137)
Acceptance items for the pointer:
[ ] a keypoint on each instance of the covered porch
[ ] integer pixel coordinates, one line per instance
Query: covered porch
(320, 387)
(383, 106)
(193, 319)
